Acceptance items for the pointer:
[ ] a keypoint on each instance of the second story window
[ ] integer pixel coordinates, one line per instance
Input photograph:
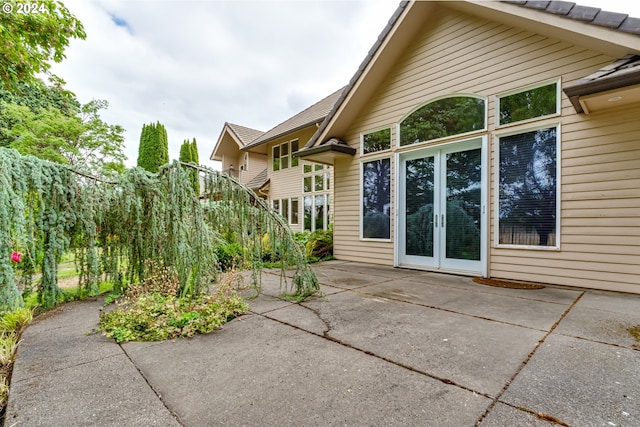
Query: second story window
(282, 155)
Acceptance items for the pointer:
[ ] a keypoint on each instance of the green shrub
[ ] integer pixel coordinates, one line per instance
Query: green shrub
(319, 245)
(230, 256)
(156, 317)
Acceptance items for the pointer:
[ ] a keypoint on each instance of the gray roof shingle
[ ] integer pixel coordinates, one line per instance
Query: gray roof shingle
(591, 15)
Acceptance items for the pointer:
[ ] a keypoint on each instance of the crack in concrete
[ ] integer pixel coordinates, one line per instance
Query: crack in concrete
(153, 389)
(524, 363)
(327, 323)
(328, 337)
(448, 310)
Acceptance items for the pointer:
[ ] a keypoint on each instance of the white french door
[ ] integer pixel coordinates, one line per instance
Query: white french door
(441, 207)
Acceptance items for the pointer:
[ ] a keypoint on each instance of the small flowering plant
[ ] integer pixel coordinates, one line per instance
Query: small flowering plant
(16, 256)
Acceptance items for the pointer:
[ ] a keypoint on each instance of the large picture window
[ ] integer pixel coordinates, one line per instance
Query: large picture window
(376, 199)
(528, 189)
(444, 117)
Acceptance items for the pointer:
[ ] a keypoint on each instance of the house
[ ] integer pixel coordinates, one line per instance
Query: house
(495, 139)
(301, 191)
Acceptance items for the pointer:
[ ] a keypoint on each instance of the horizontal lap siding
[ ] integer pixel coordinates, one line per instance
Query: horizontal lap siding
(600, 182)
(600, 218)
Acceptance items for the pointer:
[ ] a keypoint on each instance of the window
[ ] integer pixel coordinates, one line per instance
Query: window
(294, 149)
(376, 141)
(376, 199)
(315, 185)
(444, 117)
(276, 158)
(528, 189)
(316, 212)
(315, 178)
(276, 205)
(294, 212)
(541, 101)
(283, 155)
(285, 210)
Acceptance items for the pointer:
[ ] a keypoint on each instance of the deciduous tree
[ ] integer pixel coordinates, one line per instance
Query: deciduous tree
(32, 34)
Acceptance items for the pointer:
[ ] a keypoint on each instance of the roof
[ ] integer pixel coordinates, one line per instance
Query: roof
(312, 115)
(258, 181)
(590, 15)
(244, 134)
(241, 136)
(569, 10)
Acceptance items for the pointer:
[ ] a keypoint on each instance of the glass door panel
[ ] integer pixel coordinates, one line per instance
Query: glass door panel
(463, 204)
(419, 209)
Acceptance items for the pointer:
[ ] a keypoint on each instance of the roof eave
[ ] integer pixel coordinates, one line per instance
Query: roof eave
(575, 92)
(327, 152)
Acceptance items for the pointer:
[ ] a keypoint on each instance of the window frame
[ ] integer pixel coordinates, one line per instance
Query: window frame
(363, 134)
(496, 184)
(498, 97)
(385, 156)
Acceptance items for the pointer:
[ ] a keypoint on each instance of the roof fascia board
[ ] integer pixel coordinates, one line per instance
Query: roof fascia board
(606, 40)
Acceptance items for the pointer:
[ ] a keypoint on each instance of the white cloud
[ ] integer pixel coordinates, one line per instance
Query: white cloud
(192, 65)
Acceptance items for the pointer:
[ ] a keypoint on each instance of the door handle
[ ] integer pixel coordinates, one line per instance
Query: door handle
(436, 220)
(442, 221)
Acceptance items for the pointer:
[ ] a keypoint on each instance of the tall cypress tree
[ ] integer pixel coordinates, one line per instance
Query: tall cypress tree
(194, 152)
(189, 154)
(153, 150)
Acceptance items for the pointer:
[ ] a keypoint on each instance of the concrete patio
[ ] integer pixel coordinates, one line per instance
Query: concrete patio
(385, 347)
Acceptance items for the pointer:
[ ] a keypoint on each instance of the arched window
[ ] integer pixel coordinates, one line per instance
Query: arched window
(444, 117)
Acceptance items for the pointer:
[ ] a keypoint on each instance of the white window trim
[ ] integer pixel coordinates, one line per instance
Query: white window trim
(361, 210)
(385, 152)
(557, 81)
(461, 136)
(496, 186)
(326, 179)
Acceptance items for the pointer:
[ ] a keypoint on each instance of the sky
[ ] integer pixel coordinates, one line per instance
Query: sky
(193, 65)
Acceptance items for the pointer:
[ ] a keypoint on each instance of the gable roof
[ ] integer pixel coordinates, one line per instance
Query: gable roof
(241, 135)
(402, 25)
(245, 135)
(311, 115)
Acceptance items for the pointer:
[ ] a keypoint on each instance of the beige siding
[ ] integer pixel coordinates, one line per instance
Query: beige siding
(600, 153)
(287, 183)
(256, 163)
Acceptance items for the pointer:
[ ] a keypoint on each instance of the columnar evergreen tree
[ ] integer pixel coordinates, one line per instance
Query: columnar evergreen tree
(189, 154)
(153, 150)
